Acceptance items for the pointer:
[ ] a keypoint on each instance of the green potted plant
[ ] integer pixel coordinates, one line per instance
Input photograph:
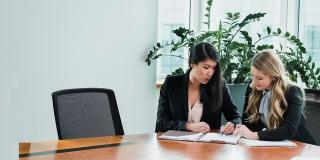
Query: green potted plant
(237, 47)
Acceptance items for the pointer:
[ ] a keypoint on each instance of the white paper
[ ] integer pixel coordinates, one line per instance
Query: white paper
(201, 137)
(258, 143)
(219, 138)
(181, 135)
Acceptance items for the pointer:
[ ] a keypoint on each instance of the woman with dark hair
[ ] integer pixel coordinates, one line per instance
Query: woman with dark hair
(195, 100)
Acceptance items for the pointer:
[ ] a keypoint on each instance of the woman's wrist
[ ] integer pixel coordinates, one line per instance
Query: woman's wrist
(187, 127)
(255, 135)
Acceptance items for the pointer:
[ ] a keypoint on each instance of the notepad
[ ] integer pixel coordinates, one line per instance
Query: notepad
(199, 137)
(259, 143)
(218, 138)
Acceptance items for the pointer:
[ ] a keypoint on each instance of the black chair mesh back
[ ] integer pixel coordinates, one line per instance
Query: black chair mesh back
(312, 112)
(81, 113)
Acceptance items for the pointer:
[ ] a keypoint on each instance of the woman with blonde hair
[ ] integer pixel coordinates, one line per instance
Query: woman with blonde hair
(274, 105)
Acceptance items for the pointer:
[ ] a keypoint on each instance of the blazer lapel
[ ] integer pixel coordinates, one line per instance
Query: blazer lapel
(185, 94)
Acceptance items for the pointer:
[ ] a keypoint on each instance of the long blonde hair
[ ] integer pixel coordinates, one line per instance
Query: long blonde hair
(270, 64)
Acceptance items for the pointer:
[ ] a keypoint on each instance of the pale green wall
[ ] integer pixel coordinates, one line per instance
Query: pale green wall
(48, 45)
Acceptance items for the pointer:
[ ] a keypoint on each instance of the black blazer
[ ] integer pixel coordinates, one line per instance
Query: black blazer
(293, 125)
(173, 106)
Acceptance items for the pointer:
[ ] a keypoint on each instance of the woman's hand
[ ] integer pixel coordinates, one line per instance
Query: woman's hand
(228, 128)
(200, 127)
(243, 131)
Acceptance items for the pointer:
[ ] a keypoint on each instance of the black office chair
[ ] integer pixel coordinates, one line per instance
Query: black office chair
(86, 112)
(312, 111)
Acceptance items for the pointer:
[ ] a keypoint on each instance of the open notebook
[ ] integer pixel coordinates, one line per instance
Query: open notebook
(218, 138)
(199, 137)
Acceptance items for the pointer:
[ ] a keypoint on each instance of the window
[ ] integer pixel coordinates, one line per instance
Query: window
(245, 7)
(275, 9)
(299, 17)
(172, 14)
(169, 63)
(310, 27)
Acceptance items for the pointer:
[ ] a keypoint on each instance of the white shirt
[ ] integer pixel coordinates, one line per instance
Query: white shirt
(195, 112)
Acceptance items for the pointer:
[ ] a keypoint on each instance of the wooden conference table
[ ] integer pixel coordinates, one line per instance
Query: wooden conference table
(147, 146)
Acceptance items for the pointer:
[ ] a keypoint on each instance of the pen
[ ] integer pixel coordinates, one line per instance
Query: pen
(221, 129)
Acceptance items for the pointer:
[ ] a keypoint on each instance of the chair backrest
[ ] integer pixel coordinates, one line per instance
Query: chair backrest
(312, 112)
(86, 112)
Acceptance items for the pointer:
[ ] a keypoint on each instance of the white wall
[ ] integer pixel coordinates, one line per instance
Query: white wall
(48, 45)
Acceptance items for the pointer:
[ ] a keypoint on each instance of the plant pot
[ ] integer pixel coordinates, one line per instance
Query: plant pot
(237, 92)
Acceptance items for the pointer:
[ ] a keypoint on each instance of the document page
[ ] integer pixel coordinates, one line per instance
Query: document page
(258, 143)
(181, 135)
(215, 137)
(201, 137)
